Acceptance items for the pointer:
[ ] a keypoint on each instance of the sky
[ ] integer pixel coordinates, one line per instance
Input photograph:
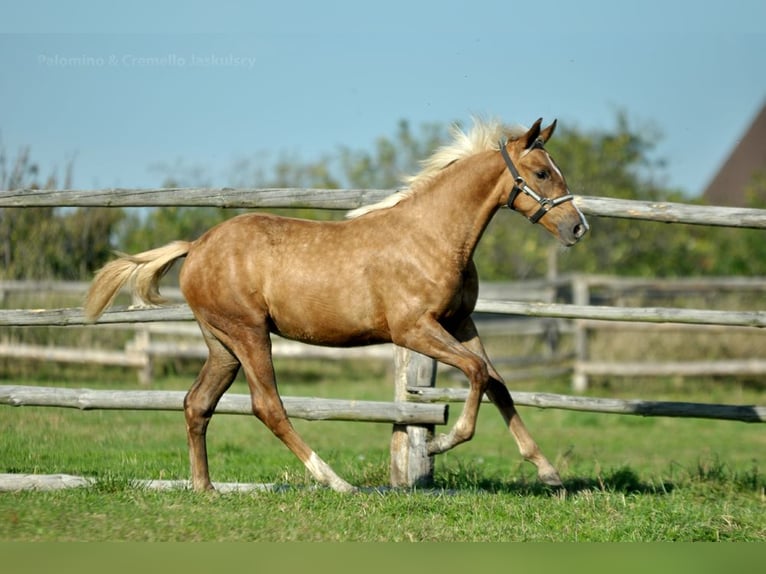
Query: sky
(121, 88)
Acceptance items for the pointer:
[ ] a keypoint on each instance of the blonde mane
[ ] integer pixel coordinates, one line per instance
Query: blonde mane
(483, 136)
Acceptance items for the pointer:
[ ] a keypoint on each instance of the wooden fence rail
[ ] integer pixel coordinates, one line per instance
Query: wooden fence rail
(143, 349)
(141, 352)
(181, 312)
(415, 374)
(340, 199)
(644, 408)
(312, 409)
(141, 355)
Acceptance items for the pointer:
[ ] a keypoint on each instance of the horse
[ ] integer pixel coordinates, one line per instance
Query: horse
(398, 271)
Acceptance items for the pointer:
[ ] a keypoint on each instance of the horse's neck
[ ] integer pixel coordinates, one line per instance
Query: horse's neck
(459, 203)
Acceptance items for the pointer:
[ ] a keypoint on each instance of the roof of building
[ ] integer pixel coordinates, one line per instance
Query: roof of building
(746, 158)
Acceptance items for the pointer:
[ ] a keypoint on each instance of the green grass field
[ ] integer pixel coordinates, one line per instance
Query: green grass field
(627, 478)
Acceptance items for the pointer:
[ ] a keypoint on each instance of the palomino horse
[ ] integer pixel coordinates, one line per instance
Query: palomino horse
(398, 271)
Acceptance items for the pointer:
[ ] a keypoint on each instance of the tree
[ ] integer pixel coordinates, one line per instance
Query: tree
(84, 243)
(391, 159)
(382, 167)
(48, 242)
(617, 162)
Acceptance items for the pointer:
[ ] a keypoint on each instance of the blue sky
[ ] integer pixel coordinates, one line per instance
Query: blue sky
(122, 87)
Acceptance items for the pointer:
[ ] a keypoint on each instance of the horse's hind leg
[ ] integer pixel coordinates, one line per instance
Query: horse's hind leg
(498, 393)
(253, 347)
(216, 376)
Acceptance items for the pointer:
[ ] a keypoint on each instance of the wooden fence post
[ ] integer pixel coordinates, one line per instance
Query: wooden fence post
(139, 345)
(580, 296)
(411, 465)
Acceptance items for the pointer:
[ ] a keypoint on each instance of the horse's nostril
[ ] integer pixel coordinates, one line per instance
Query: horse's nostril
(579, 230)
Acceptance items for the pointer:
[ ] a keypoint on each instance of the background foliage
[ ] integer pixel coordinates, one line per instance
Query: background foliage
(51, 243)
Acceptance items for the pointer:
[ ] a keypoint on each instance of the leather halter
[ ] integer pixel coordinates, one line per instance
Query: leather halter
(520, 186)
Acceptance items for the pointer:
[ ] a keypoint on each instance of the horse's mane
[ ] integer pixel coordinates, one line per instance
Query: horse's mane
(484, 135)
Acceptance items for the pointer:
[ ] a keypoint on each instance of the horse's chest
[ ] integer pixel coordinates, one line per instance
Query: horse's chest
(459, 301)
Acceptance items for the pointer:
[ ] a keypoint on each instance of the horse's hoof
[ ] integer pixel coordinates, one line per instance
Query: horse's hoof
(551, 478)
(344, 487)
(203, 487)
(439, 444)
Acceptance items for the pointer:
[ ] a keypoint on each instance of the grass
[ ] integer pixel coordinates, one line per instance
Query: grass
(116, 511)
(627, 478)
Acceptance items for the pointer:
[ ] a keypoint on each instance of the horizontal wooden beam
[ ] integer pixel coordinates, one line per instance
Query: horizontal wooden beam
(139, 356)
(228, 197)
(313, 409)
(745, 413)
(669, 212)
(74, 316)
(342, 199)
(640, 314)
(662, 284)
(731, 367)
(73, 355)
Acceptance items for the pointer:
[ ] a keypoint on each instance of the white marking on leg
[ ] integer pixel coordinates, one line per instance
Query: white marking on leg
(324, 474)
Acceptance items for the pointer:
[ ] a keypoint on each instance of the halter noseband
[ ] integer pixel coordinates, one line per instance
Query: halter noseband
(520, 186)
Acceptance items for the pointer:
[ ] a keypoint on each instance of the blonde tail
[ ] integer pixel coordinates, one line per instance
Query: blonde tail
(143, 271)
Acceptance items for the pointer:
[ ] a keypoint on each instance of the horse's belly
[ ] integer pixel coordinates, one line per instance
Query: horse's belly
(327, 328)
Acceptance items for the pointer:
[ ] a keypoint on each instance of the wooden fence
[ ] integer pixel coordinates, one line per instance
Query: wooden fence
(718, 323)
(415, 374)
(151, 342)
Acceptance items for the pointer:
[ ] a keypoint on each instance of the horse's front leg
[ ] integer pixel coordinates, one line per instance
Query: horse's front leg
(498, 393)
(430, 338)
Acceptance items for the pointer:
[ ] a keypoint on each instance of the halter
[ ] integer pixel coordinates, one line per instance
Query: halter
(520, 186)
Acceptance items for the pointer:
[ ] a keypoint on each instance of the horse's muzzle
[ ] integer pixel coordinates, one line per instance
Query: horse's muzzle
(570, 234)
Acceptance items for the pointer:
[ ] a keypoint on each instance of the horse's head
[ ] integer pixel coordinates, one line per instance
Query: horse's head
(538, 189)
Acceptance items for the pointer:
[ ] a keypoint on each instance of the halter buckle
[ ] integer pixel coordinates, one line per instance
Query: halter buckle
(546, 203)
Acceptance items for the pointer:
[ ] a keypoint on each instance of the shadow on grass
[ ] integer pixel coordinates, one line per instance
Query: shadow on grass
(623, 480)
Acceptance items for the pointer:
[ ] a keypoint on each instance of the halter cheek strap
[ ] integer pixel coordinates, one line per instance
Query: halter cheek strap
(520, 186)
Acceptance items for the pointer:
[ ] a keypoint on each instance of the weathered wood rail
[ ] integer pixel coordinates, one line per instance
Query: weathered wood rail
(667, 212)
(181, 312)
(640, 407)
(312, 409)
(141, 352)
(531, 298)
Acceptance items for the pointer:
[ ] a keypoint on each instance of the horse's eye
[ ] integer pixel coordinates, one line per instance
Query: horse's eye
(542, 174)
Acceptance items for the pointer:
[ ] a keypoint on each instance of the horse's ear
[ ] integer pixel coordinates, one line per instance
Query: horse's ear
(546, 133)
(531, 137)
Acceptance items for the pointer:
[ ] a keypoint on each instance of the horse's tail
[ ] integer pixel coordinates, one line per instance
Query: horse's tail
(143, 271)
